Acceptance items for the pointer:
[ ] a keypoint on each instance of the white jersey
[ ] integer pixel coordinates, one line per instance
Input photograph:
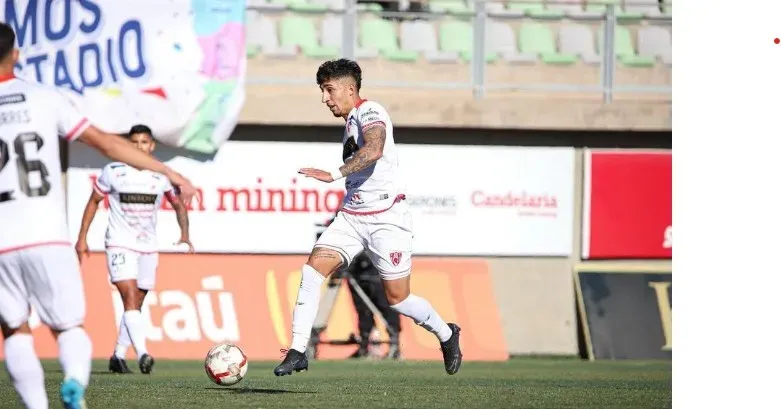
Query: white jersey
(375, 188)
(32, 199)
(134, 197)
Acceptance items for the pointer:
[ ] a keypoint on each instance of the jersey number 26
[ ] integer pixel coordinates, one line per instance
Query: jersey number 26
(24, 166)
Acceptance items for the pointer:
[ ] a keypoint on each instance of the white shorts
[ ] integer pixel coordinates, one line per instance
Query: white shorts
(46, 277)
(124, 264)
(386, 237)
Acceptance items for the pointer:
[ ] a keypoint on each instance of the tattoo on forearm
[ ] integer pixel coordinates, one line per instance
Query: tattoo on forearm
(183, 220)
(370, 152)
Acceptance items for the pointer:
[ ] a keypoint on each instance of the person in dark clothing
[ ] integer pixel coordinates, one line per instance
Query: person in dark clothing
(369, 281)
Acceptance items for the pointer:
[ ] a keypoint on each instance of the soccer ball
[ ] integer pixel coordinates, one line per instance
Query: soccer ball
(225, 364)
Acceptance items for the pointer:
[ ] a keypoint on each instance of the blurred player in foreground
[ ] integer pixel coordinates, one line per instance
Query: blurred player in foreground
(134, 197)
(374, 217)
(38, 266)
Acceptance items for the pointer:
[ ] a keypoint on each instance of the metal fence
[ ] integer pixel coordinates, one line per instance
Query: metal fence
(606, 84)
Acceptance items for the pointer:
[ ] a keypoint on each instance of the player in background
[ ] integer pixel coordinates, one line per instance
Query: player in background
(134, 197)
(38, 266)
(374, 217)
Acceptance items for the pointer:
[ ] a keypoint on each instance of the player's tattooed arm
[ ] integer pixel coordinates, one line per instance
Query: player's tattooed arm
(182, 219)
(370, 152)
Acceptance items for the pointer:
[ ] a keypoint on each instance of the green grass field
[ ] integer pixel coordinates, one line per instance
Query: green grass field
(518, 383)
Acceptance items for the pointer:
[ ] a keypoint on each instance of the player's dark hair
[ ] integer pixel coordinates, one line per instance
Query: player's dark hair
(140, 128)
(340, 68)
(7, 40)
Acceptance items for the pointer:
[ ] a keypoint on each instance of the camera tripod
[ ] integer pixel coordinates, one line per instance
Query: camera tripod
(326, 307)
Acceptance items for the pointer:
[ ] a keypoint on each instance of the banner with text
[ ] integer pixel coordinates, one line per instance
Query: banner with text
(200, 300)
(627, 315)
(465, 200)
(627, 205)
(177, 66)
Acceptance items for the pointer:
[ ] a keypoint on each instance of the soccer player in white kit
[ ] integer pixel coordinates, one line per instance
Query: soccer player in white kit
(38, 266)
(374, 217)
(134, 197)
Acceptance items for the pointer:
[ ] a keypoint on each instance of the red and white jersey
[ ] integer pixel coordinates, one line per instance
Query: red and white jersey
(376, 187)
(134, 197)
(33, 117)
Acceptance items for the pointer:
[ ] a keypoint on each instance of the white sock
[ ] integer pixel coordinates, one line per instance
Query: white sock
(75, 354)
(135, 328)
(306, 307)
(25, 370)
(123, 341)
(424, 315)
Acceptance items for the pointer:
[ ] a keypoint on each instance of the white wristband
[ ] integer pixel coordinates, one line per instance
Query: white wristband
(336, 174)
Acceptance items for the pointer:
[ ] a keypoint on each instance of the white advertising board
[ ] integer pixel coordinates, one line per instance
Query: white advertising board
(466, 200)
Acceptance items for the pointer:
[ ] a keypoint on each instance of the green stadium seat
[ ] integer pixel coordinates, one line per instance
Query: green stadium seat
(538, 39)
(380, 34)
(535, 10)
(373, 7)
(620, 13)
(625, 51)
(300, 31)
(301, 5)
(456, 7)
(457, 36)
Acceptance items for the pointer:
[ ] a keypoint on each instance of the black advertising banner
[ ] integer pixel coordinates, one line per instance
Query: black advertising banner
(626, 315)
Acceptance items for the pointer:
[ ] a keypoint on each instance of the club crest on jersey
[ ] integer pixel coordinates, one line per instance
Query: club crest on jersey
(356, 199)
(395, 257)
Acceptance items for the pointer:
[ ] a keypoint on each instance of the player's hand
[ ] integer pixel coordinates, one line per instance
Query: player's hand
(317, 174)
(82, 250)
(186, 188)
(184, 240)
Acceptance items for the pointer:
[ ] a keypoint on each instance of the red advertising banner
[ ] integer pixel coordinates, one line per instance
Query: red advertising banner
(203, 299)
(627, 205)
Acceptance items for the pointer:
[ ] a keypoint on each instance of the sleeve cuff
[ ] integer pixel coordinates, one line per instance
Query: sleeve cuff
(99, 191)
(77, 130)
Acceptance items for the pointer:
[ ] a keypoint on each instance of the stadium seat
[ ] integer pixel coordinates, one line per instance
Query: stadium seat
(373, 7)
(642, 7)
(380, 34)
(300, 32)
(599, 6)
(262, 37)
(625, 51)
(457, 7)
(492, 7)
(574, 9)
(534, 10)
(501, 39)
(420, 36)
(578, 40)
(331, 36)
(535, 38)
(301, 5)
(655, 42)
(456, 36)
(332, 5)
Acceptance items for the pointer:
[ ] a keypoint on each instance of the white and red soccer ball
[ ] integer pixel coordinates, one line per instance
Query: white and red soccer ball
(225, 364)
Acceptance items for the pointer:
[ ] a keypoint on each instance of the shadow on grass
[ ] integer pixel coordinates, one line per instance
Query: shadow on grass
(256, 390)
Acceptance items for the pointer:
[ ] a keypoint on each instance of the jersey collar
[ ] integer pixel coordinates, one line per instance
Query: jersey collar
(4, 78)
